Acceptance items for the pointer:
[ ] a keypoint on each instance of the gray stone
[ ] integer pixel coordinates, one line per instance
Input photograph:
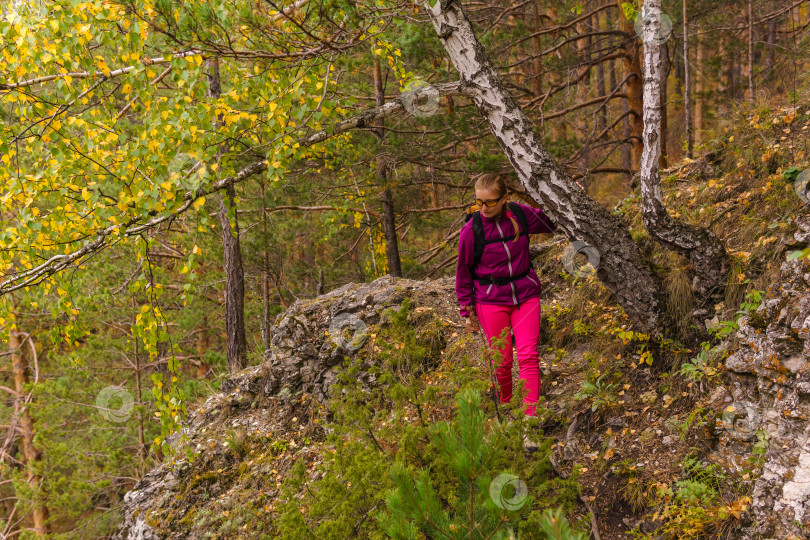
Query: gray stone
(770, 374)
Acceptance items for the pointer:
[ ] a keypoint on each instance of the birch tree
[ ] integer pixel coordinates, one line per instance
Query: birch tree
(621, 267)
(708, 256)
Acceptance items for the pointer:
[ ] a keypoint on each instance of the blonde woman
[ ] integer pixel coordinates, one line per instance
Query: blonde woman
(503, 289)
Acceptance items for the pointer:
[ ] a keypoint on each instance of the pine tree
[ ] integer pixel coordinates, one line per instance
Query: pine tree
(472, 512)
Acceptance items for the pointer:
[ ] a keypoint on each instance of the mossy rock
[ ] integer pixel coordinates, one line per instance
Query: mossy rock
(757, 320)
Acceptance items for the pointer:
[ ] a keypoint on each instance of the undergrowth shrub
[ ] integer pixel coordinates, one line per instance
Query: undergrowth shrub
(382, 439)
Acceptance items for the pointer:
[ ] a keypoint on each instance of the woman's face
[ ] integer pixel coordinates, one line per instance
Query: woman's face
(484, 195)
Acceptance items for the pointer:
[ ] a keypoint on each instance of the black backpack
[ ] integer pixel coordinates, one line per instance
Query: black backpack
(478, 231)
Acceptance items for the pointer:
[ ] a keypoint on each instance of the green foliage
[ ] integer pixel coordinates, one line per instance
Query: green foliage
(699, 367)
(799, 254)
(382, 444)
(757, 459)
(474, 510)
(630, 10)
(693, 507)
(553, 314)
(355, 478)
(697, 417)
(601, 393)
(581, 328)
(790, 174)
(556, 527)
(405, 347)
(747, 307)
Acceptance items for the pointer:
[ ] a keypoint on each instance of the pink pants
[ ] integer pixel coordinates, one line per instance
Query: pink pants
(525, 323)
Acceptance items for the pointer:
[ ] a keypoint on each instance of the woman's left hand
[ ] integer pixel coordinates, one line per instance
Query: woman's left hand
(472, 325)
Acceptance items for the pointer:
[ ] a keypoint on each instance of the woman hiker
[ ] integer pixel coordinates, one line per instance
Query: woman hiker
(503, 290)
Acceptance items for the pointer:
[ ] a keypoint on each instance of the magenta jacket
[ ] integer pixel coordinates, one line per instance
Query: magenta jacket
(500, 259)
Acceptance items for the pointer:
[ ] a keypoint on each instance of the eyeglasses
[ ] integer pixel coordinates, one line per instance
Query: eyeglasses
(490, 202)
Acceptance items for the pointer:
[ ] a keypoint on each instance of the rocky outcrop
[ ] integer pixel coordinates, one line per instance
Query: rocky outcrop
(314, 335)
(309, 342)
(770, 374)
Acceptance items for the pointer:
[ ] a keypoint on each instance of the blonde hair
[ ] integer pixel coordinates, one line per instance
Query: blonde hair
(497, 184)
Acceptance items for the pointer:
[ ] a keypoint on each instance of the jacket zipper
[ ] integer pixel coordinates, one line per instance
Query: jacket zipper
(509, 262)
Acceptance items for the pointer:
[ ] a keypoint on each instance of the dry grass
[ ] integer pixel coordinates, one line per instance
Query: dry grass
(680, 299)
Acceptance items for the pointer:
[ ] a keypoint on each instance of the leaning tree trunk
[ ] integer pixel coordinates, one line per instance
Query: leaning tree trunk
(386, 198)
(621, 267)
(234, 275)
(705, 251)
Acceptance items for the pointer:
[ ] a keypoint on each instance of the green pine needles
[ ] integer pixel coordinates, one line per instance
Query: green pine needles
(482, 506)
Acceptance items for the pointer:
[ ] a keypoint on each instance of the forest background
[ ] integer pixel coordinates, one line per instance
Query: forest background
(174, 175)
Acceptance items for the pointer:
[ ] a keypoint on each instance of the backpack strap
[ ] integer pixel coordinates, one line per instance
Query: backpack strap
(478, 235)
(521, 216)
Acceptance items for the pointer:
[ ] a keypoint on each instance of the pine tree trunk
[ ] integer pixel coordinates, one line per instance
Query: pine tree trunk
(19, 366)
(621, 267)
(560, 127)
(687, 90)
(700, 89)
(771, 56)
(320, 281)
(583, 46)
(265, 279)
(730, 71)
(706, 252)
(662, 162)
(202, 346)
(234, 275)
(537, 80)
(632, 69)
(750, 52)
(387, 199)
(627, 162)
(601, 114)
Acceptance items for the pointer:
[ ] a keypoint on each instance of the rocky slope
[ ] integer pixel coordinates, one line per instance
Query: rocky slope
(234, 431)
(770, 388)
